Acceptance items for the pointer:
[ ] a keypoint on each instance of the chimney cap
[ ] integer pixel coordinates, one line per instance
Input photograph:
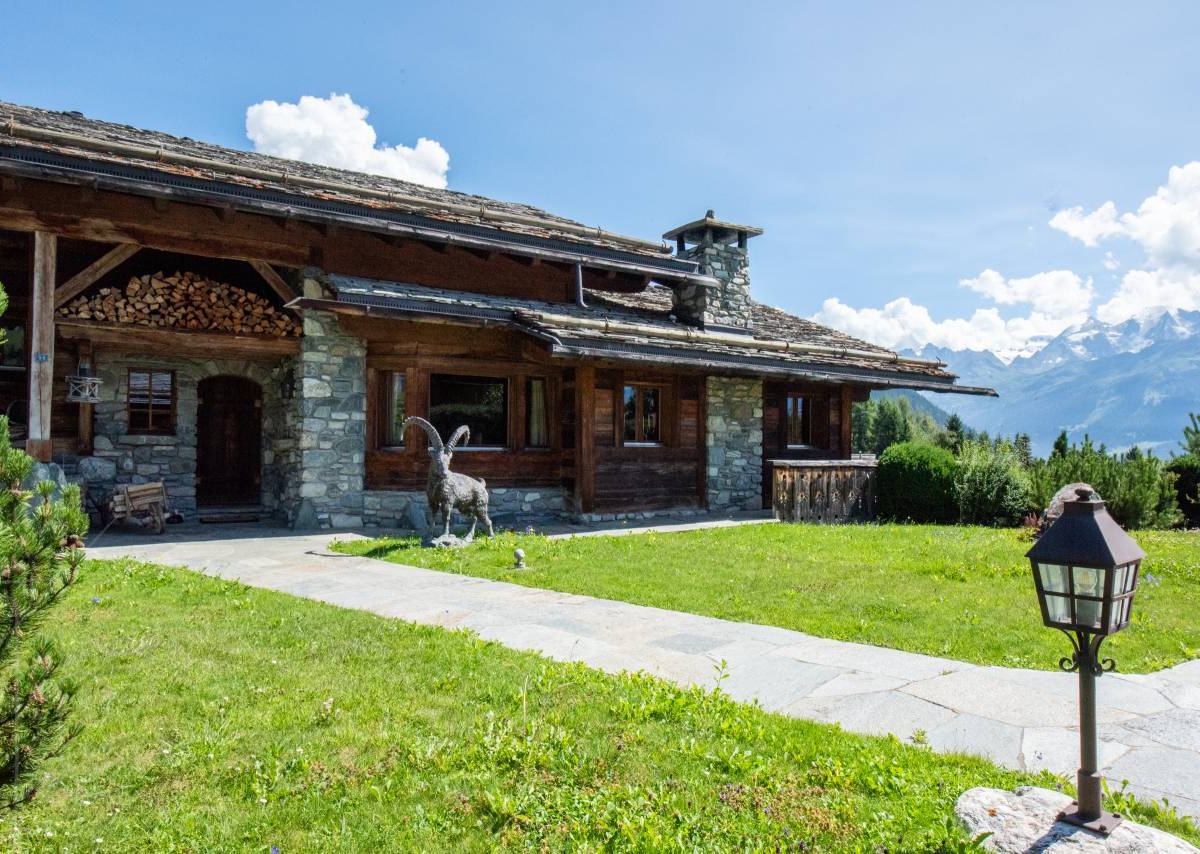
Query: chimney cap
(722, 231)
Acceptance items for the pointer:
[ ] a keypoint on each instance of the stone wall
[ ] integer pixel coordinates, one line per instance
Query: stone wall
(509, 508)
(122, 457)
(724, 305)
(325, 487)
(734, 443)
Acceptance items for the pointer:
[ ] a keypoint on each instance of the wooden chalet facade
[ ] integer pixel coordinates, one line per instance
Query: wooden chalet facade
(260, 327)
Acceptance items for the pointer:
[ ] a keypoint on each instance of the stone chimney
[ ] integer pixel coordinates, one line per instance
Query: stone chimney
(720, 250)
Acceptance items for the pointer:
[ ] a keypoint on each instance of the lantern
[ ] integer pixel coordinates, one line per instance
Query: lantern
(1085, 569)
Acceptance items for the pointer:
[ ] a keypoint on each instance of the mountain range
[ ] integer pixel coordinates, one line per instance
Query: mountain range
(1123, 384)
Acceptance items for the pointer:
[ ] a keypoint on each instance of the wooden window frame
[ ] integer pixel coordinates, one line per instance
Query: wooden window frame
(806, 416)
(509, 406)
(640, 389)
(170, 416)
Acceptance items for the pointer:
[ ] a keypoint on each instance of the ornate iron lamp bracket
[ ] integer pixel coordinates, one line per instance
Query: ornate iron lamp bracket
(1085, 652)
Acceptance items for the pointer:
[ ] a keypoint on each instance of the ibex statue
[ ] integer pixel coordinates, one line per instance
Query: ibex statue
(447, 490)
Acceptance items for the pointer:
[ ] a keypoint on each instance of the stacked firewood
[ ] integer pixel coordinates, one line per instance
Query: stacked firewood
(184, 301)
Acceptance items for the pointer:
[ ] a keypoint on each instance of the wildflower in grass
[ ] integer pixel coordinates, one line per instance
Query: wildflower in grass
(95, 600)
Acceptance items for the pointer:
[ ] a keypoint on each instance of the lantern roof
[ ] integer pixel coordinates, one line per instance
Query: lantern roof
(1086, 535)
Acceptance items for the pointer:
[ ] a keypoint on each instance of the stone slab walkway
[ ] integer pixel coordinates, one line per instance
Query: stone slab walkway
(1025, 719)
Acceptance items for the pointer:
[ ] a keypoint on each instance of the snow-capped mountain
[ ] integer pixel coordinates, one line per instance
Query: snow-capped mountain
(1123, 384)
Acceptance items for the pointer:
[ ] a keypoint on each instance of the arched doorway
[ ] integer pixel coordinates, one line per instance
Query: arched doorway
(228, 442)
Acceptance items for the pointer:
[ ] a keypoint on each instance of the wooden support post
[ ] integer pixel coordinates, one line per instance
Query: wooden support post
(585, 439)
(85, 356)
(847, 422)
(41, 370)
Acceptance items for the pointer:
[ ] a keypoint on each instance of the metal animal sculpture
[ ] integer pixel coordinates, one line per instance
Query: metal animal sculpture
(448, 490)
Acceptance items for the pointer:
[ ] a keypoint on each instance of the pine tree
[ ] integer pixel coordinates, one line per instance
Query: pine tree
(40, 552)
(892, 424)
(1061, 445)
(953, 436)
(1191, 436)
(1023, 447)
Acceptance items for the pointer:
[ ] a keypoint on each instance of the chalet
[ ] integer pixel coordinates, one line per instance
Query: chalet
(252, 331)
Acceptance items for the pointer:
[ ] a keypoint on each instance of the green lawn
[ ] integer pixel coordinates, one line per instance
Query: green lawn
(959, 592)
(221, 718)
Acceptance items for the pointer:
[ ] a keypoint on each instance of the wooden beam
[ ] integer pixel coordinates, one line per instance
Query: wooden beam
(281, 288)
(92, 273)
(84, 356)
(41, 371)
(149, 340)
(585, 438)
(123, 218)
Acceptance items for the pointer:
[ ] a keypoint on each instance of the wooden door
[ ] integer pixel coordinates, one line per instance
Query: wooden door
(229, 442)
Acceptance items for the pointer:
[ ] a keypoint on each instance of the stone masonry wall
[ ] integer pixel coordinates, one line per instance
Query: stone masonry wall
(509, 508)
(122, 457)
(734, 443)
(726, 305)
(326, 487)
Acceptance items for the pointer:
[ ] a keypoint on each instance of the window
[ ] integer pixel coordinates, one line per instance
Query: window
(151, 402)
(537, 414)
(479, 402)
(798, 418)
(641, 415)
(394, 408)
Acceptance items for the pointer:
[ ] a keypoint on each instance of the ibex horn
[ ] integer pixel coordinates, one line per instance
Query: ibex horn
(462, 434)
(429, 429)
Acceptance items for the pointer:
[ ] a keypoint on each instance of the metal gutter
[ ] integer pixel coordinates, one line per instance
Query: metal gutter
(161, 155)
(759, 366)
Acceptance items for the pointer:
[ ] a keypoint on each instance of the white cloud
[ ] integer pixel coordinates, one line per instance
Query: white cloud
(1057, 299)
(1089, 228)
(1166, 226)
(902, 323)
(1109, 262)
(334, 131)
(1058, 293)
(1145, 292)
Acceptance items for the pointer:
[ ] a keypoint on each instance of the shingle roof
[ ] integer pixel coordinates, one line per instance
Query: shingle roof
(639, 328)
(770, 324)
(74, 134)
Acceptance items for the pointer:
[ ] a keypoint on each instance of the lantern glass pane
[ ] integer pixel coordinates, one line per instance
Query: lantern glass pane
(1054, 577)
(1088, 582)
(1125, 578)
(1120, 575)
(1059, 609)
(1120, 615)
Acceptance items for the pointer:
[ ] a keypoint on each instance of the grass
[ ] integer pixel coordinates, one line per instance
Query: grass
(224, 718)
(953, 591)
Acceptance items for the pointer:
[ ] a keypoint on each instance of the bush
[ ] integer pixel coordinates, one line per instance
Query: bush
(1137, 487)
(991, 486)
(1187, 487)
(916, 483)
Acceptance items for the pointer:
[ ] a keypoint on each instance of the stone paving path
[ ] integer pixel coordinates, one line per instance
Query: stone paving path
(1026, 719)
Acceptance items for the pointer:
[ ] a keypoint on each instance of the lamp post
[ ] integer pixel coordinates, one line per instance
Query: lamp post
(1086, 572)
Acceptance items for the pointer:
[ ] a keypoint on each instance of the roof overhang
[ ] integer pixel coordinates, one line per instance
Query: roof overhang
(624, 352)
(44, 164)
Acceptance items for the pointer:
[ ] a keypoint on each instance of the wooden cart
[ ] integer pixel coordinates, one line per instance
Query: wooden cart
(143, 503)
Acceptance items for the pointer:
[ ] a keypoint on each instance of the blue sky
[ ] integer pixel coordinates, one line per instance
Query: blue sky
(889, 150)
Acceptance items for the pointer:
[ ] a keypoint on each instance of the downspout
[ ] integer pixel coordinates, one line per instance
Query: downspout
(579, 285)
